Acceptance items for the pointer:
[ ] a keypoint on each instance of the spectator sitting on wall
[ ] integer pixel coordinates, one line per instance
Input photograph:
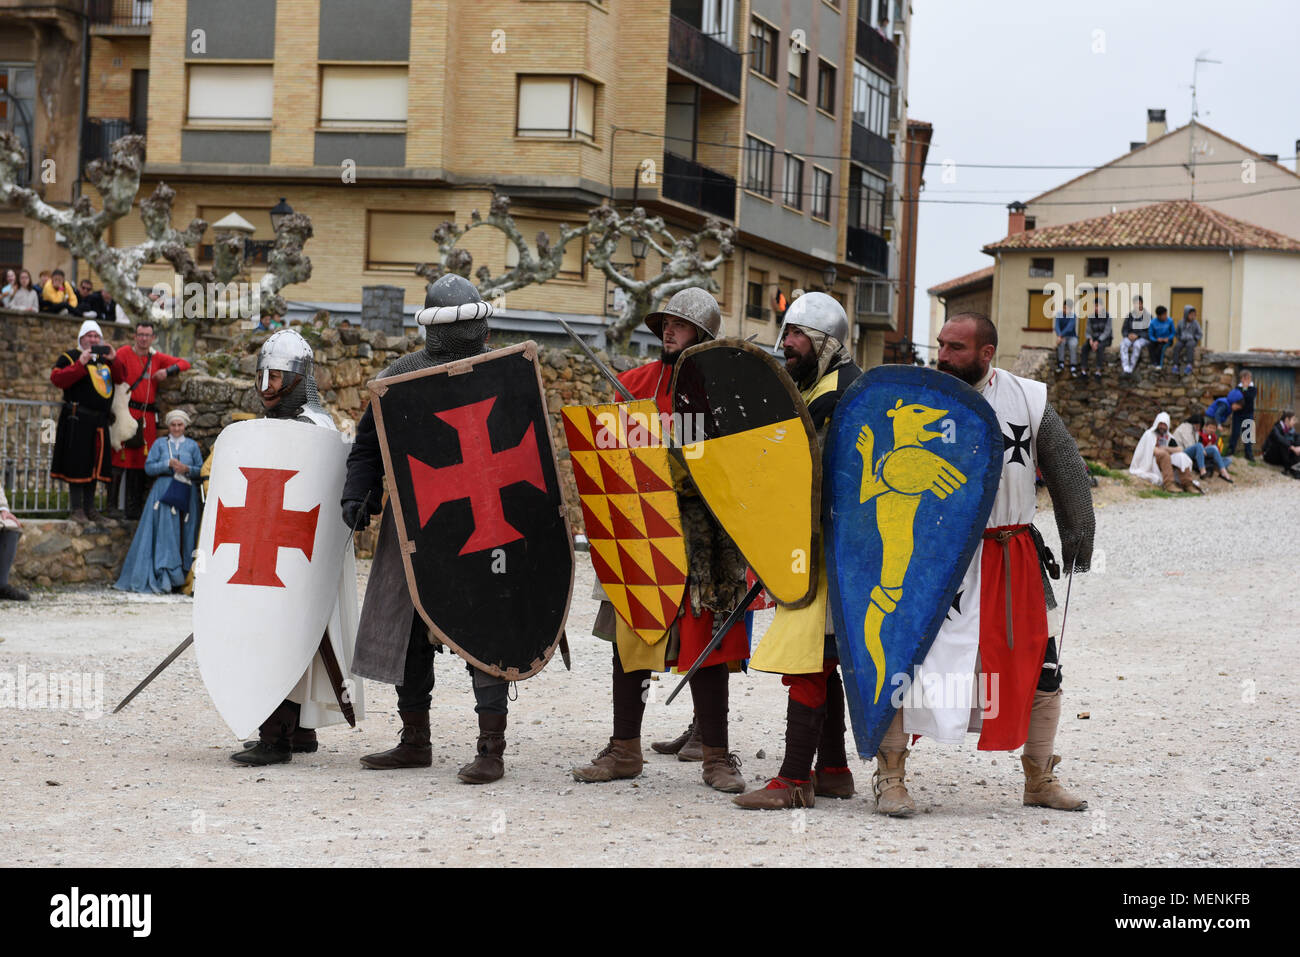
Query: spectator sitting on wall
(1098, 336)
(1158, 459)
(24, 297)
(95, 305)
(1202, 446)
(1282, 447)
(1160, 336)
(57, 295)
(1221, 408)
(10, 531)
(1243, 415)
(1134, 332)
(10, 283)
(1066, 327)
(1189, 334)
(268, 322)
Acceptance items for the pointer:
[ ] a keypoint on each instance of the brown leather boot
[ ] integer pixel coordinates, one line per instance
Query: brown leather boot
(413, 749)
(722, 770)
(620, 759)
(780, 794)
(833, 783)
(273, 738)
(488, 766)
(693, 749)
(891, 793)
(1043, 790)
(676, 744)
(302, 741)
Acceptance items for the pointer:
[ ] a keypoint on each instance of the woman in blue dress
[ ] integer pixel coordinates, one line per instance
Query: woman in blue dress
(162, 549)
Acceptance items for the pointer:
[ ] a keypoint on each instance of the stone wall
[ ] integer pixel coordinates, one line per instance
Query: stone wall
(64, 553)
(1107, 418)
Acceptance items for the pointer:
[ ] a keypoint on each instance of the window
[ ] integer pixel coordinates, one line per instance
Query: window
(1094, 267)
(793, 196)
(571, 267)
(798, 71)
(825, 86)
(870, 99)
(230, 95)
(762, 48)
(1041, 267)
(714, 18)
(754, 294)
(821, 194)
(758, 166)
(400, 241)
(874, 297)
(363, 96)
(681, 114)
(18, 110)
(1031, 223)
(882, 13)
(558, 107)
(1040, 310)
(867, 193)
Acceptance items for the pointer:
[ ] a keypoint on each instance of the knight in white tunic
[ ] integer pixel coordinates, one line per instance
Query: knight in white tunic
(993, 668)
(288, 391)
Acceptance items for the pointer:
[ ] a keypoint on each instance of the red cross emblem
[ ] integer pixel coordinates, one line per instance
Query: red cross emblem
(262, 526)
(480, 476)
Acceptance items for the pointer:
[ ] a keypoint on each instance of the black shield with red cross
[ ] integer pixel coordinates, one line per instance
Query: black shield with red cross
(479, 512)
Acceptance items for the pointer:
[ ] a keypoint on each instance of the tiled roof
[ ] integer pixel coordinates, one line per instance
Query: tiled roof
(970, 279)
(1179, 224)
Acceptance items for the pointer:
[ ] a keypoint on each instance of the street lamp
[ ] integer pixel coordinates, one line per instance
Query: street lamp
(639, 247)
(279, 213)
(828, 276)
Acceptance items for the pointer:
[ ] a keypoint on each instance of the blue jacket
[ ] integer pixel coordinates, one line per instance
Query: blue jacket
(1220, 409)
(1065, 326)
(1161, 329)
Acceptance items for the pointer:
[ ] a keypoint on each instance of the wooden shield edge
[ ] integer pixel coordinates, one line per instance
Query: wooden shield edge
(984, 411)
(377, 388)
(814, 558)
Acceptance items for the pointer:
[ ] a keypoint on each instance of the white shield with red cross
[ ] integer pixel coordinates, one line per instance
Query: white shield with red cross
(268, 565)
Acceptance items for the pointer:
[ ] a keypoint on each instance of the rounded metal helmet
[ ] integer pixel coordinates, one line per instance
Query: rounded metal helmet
(452, 298)
(286, 351)
(696, 306)
(817, 310)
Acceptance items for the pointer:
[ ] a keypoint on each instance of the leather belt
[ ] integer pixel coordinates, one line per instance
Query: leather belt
(1002, 536)
(144, 406)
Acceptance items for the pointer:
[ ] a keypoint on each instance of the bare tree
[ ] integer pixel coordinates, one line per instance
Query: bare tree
(684, 263)
(118, 182)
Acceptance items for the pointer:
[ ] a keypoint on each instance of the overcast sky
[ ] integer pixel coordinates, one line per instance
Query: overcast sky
(1017, 82)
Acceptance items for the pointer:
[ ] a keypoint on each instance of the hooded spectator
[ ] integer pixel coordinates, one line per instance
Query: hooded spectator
(1221, 408)
(1158, 459)
(1189, 334)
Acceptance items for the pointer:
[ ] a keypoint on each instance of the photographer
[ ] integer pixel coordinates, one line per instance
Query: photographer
(81, 449)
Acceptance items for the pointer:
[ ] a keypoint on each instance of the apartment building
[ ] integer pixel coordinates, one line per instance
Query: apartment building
(379, 120)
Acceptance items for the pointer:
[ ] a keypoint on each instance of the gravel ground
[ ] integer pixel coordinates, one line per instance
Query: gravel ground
(1180, 647)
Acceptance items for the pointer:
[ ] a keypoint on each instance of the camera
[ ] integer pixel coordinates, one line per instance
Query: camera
(101, 350)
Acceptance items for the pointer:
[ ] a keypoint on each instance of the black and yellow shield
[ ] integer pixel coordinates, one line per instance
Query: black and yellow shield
(751, 450)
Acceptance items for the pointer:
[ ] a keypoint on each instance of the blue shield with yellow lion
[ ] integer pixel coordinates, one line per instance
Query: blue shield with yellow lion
(912, 464)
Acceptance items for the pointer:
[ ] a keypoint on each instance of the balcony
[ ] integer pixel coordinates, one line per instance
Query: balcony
(872, 48)
(868, 250)
(687, 182)
(871, 149)
(704, 59)
(120, 16)
(99, 134)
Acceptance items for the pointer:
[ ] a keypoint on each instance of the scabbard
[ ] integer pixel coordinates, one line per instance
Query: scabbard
(335, 673)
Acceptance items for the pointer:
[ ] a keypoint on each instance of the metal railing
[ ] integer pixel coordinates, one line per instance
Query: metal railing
(27, 431)
(695, 185)
(867, 249)
(874, 48)
(121, 13)
(100, 134)
(703, 57)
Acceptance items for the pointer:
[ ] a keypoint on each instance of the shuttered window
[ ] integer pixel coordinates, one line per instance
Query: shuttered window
(400, 241)
(363, 96)
(230, 95)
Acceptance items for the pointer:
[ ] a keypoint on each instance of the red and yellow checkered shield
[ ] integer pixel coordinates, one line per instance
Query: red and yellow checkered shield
(620, 465)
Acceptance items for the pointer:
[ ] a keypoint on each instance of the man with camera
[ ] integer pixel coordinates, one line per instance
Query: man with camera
(81, 452)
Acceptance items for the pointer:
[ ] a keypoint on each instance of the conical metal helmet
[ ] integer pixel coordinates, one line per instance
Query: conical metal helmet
(817, 310)
(696, 306)
(287, 351)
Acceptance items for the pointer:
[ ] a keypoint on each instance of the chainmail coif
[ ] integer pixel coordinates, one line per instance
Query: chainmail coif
(443, 342)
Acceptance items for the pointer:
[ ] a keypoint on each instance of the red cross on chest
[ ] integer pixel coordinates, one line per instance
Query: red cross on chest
(262, 526)
(480, 476)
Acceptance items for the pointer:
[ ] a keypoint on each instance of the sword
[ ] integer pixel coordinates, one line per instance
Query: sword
(156, 672)
(619, 387)
(1065, 610)
(735, 616)
(335, 673)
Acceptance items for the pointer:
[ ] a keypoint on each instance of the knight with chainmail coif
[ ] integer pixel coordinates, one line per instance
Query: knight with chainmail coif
(287, 387)
(394, 644)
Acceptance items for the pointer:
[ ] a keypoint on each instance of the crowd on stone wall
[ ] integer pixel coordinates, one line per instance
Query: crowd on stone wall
(52, 293)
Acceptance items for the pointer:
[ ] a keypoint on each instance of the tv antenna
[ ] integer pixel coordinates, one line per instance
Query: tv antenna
(1191, 132)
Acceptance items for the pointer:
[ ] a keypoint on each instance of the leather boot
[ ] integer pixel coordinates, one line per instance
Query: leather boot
(620, 759)
(693, 749)
(272, 746)
(722, 770)
(302, 741)
(833, 783)
(1043, 790)
(780, 793)
(891, 793)
(488, 766)
(676, 744)
(413, 749)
